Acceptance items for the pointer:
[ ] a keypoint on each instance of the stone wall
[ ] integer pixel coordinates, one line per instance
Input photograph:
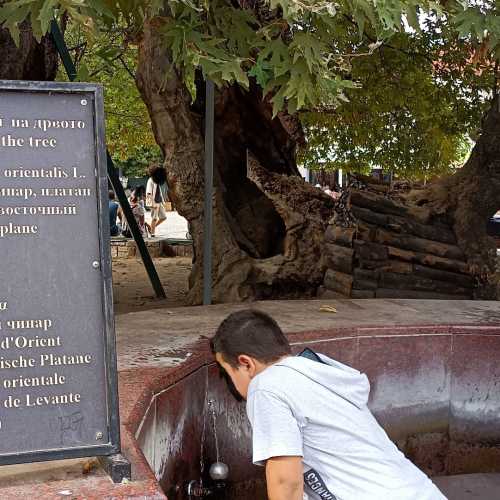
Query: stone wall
(391, 250)
(122, 248)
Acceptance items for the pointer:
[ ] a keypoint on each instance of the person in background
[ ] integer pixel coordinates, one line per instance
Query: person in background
(154, 196)
(113, 213)
(136, 202)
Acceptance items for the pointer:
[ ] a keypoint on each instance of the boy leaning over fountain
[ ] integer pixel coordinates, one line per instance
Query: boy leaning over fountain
(311, 426)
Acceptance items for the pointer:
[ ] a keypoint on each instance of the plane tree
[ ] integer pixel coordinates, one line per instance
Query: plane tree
(274, 60)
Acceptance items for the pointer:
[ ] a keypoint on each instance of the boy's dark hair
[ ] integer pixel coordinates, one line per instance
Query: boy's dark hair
(111, 194)
(253, 333)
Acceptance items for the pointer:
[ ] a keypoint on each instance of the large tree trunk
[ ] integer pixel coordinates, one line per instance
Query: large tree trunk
(31, 60)
(469, 198)
(268, 223)
(431, 243)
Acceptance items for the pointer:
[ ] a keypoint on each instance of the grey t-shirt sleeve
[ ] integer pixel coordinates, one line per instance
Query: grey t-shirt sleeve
(275, 430)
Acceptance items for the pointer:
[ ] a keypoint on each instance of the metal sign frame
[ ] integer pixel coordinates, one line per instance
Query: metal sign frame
(111, 373)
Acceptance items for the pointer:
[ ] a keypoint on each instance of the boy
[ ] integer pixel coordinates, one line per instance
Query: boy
(311, 427)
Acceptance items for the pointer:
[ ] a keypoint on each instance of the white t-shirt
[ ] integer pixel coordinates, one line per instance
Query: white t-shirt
(151, 188)
(300, 407)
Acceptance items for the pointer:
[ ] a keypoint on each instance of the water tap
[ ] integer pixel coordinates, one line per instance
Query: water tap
(195, 489)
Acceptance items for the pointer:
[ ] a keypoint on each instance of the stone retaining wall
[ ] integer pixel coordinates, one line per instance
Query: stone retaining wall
(393, 250)
(126, 249)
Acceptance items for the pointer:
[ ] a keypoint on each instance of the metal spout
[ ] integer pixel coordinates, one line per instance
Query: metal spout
(196, 490)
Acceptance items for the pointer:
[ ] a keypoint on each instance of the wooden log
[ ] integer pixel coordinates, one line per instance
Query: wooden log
(416, 244)
(365, 232)
(370, 264)
(370, 251)
(365, 279)
(405, 225)
(340, 235)
(446, 264)
(411, 282)
(462, 280)
(365, 274)
(432, 232)
(339, 258)
(382, 204)
(389, 265)
(396, 266)
(370, 216)
(359, 284)
(338, 282)
(391, 293)
(363, 294)
(376, 203)
(429, 260)
(399, 253)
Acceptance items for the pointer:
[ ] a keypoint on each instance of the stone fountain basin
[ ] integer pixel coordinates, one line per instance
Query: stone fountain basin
(433, 366)
(434, 388)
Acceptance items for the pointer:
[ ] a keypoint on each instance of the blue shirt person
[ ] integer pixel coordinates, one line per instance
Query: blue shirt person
(113, 212)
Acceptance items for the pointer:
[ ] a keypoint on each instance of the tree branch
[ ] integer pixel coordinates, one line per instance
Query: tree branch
(124, 64)
(389, 46)
(97, 71)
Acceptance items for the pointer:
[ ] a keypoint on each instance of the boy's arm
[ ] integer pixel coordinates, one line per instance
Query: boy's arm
(284, 478)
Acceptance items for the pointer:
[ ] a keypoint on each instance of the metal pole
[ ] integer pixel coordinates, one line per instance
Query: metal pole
(113, 175)
(209, 180)
(134, 229)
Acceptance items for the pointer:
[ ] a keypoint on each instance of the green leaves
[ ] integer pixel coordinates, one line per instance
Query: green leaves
(472, 22)
(410, 115)
(41, 12)
(479, 24)
(299, 51)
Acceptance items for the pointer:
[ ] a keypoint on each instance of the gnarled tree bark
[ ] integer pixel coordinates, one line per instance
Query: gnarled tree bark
(30, 60)
(468, 199)
(268, 223)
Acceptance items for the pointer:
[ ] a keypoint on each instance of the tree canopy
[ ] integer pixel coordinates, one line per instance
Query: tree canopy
(391, 82)
(291, 47)
(106, 58)
(419, 103)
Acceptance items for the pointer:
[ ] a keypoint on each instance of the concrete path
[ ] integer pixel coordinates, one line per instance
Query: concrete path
(470, 486)
(161, 337)
(175, 226)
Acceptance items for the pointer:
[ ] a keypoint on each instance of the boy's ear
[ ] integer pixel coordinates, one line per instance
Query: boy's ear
(245, 361)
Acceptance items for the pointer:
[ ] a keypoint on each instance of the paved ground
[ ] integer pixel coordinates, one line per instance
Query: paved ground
(470, 486)
(174, 227)
(161, 337)
(132, 290)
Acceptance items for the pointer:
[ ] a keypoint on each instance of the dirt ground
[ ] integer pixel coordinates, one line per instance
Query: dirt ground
(133, 292)
(132, 289)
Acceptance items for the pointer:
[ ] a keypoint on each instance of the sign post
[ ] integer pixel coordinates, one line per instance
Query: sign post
(58, 376)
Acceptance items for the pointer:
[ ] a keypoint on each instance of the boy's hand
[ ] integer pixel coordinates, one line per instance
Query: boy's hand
(284, 478)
